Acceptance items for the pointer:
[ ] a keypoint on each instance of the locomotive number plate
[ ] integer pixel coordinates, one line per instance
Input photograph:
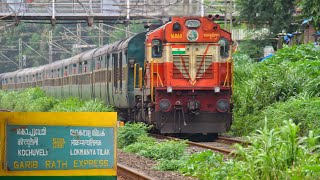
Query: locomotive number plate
(176, 36)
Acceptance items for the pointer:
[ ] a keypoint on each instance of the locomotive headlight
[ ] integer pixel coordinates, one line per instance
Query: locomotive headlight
(165, 105)
(223, 105)
(169, 89)
(217, 89)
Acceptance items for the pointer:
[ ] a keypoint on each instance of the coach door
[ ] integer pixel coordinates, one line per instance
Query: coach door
(108, 78)
(115, 78)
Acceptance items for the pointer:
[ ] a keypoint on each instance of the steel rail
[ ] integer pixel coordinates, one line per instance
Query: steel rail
(130, 173)
(217, 149)
(232, 140)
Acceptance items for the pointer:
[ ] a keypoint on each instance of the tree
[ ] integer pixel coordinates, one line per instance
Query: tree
(311, 9)
(276, 14)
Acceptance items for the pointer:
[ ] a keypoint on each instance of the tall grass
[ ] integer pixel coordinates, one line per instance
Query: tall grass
(35, 100)
(260, 88)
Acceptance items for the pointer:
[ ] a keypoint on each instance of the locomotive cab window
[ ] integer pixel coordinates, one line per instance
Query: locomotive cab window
(224, 47)
(156, 48)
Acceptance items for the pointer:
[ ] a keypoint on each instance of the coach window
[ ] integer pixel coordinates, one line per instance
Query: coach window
(74, 68)
(224, 47)
(80, 68)
(106, 61)
(85, 66)
(65, 71)
(99, 62)
(156, 48)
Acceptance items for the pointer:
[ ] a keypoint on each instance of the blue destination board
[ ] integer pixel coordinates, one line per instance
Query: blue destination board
(59, 147)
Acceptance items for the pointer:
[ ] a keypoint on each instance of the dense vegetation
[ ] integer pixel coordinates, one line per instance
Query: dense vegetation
(274, 154)
(286, 86)
(133, 138)
(35, 100)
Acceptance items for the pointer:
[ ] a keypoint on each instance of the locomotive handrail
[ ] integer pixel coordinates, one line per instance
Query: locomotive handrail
(158, 77)
(226, 82)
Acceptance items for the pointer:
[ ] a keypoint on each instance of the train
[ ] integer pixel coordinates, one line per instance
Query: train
(176, 77)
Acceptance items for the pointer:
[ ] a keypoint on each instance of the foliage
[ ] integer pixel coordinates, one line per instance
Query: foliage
(310, 9)
(27, 99)
(169, 150)
(169, 154)
(254, 47)
(42, 104)
(274, 154)
(201, 164)
(95, 106)
(291, 73)
(132, 138)
(142, 144)
(170, 165)
(9, 100)
(35, 100)
(129, 133)
(276, 14)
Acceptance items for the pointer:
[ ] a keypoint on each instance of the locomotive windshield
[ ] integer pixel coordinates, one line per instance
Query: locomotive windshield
(156, 48)
(224, 47)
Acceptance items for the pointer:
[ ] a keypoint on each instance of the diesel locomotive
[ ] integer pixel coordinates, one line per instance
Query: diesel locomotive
(177, 77)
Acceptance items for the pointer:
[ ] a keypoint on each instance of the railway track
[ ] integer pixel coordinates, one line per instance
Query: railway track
(228, 140)
(207, 145)
(125, 172)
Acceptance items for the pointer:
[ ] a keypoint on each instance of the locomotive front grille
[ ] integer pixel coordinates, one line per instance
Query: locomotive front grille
(181, 66)
(185, 68)
(203, 66)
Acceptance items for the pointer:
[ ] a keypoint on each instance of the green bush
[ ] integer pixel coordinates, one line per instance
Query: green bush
(143, 143)
(170, 165)
(27, 99)
(9, 100)
(169, 150)
(70, 104)
(95, 106)
(202, 164)
(129, 133)
(43, 104)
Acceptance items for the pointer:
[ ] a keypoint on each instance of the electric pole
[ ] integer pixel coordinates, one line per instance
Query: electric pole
(50, 47)
(100, 35)
(128, 19)
(78, 49)
(20, 53)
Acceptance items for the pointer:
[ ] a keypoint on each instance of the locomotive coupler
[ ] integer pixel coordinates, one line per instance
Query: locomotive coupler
(194, 107)
(178, 109)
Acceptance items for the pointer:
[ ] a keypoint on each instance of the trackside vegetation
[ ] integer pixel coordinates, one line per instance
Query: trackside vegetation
(286, 86)
(278, 153)
(35, 100)
(133, 138)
